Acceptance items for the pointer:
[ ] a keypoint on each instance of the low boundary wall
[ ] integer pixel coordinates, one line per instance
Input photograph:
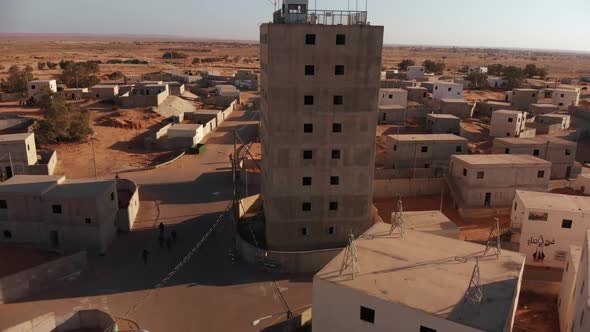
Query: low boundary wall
(387, 188)
(42, 277)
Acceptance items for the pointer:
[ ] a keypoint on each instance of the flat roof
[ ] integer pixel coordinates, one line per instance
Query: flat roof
(431, 273)
(447, 83)
(392, 89)
(104, 86)
(553, 115)
(392, 107)
(80, 188)
(443, 116)
(554, 202)
(454, 101)
(426, 137)
(544, 105)
(30, 183)
(494, 102)
(15, 137)
(415, 88)
(501, 160)
(525, 90)
(41, 81)
(433, 222)
(508, 112)
(185, 126)
(537, 140)
(208, 112)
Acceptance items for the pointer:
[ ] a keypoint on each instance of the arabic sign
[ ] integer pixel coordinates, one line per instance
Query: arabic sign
(540, 242)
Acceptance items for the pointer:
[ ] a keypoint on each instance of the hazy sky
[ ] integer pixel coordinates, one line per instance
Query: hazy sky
(547, 24)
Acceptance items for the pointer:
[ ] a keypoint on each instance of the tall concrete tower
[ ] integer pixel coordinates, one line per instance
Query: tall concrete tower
(320, 72)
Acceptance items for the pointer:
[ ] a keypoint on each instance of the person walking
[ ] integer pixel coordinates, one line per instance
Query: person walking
(161, 240)
(161, 228)
(173, 235)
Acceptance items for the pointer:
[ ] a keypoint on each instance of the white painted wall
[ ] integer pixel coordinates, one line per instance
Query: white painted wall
(444, 90)
(415, 72)
(581, 321)
(337, 309)
(393, 97)
(567, 296)
(565, 98)
(501, 124)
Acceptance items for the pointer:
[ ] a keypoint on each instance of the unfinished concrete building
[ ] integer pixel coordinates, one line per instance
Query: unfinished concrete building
(488, 107)
(560, 152)
(443, 124)
(393, 97)
(19, 155)
(522, 99)
(565, 98)
(506, 123)
(447, 90)
(417, 93)
(426, 153)
(41, 87)
(563, 120)
(457, 107)
(318, 124)
(74, 93)
(392, 114)
(416, 282)
(543, 108)
(545, 225)
(490, 181)
(53, 213)
(104, 92)
(415, 72)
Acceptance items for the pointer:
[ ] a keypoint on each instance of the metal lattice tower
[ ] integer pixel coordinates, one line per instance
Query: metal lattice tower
(397, 219)
(350, 259)
(474, 292)
(494, 243)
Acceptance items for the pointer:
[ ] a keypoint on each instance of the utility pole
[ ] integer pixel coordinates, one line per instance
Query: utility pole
(236, 199)
(94, 157)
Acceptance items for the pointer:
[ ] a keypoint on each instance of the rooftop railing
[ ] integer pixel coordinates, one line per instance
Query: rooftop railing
(325, 17)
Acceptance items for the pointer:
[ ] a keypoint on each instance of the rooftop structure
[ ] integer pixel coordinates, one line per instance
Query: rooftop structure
(298, 12)
(41, 87)
(508, 123)
(447, 90)
(416, 282)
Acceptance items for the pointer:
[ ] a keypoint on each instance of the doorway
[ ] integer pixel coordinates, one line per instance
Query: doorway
(8, 172)
(568, 172)
(488, 200)
(53, 239)
(384, 116)
(73, 96)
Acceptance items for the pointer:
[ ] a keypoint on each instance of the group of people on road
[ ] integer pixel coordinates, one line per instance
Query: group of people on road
(163, 240)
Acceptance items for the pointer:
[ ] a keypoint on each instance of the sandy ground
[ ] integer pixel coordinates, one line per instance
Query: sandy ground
(15, 259)
(536, 313)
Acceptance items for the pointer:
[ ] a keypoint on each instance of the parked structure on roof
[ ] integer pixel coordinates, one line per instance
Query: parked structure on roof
(545, 225)
(560, 152)
(310, 199)
(435, 297)
(490, 181)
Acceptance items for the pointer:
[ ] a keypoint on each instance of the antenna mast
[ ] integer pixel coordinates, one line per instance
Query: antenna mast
(494, 243)
(350, 258)
(474, 292)
(397, 219)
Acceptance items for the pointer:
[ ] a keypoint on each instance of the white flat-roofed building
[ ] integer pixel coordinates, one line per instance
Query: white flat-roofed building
(546, 224)
(477, 70)
(410, 151)
(415, 72)
(564, 98)
(417, 282)
(582, 183)
(447, 90)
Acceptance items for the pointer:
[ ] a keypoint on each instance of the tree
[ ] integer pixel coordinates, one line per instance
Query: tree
(173, 55)
(405, 64)
(433, 67)
(478, 81)
(51, 65)
(41, 65)
(63, 122)
(79, 74)
(17, 79)
(496, 69)
(530, 70)
(115, 75)
(515, 77)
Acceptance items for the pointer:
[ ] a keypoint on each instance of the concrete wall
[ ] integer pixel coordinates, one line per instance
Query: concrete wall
(392, 114)
(104, 93)
(443, 125)
(543, 108)
(545, 129)
(459, 109)
(581, 306)
(506, 124)
(444, 90)
(22, 152)
(283, 115)
(393, 97)
(415, 72)
(522, 99)
(16, 96)
(565, 98)
(387, 188)
(46, 166)
(408, 154)
(127, 209)
(566, 297)
(41, 278)
(336, 308)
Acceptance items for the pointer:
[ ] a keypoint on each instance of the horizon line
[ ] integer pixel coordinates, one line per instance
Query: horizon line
(251, 41)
